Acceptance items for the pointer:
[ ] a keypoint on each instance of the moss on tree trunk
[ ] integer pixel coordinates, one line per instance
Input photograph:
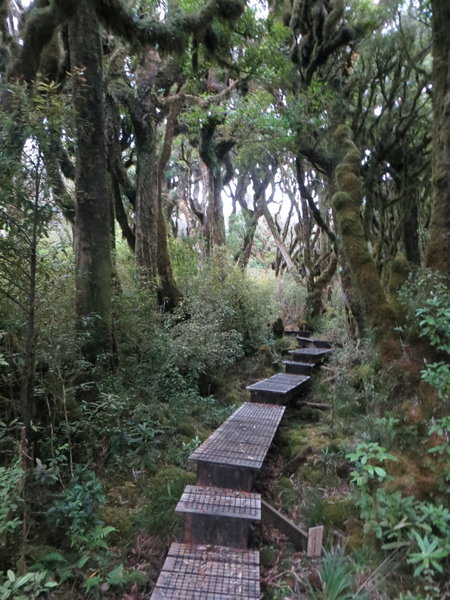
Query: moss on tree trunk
(380, 316)
(438, 248)
(92, 221)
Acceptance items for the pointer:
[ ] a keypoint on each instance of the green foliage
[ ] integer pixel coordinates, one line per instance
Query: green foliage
(10, 498)
(399, 521)
(290, 298)
(364, 456)
(426, 300)
(434, 318)
(222, 307)
(75, 508)
(434, 323)
(336, 578)
(441, 427)
(163, 494)
(30, 586)
(429, 556)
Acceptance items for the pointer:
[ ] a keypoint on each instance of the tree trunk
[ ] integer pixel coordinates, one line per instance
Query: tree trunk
(147, 209)
(92, 220)
(214, 225)
(168, 292)
(213, 154)
(380, 316)
(438, 248)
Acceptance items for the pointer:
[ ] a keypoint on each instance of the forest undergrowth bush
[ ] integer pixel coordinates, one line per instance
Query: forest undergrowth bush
(414, 527)
(147, 412)
(400, 490)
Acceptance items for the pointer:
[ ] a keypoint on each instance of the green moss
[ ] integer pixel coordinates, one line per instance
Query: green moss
(188, 428)
(361, 373)
(312, 415)
(163, 492)
(337, 510)
(341, 201)
(119, 518)
(314, 474)
(265, 355)
(298, 438)
(267, 556)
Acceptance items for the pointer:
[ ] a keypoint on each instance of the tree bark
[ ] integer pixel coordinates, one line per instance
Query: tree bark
(92, 221)
(438, 248)
(380, 316)
(213, 154)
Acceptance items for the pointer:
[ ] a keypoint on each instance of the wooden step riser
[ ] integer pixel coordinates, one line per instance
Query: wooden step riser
(312, 360)
(323, 345)
(266, 397)
(219, 531)
(298, 369)
(234, 478)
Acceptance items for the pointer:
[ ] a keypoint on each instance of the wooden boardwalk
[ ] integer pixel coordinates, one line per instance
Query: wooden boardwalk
(308, 342)
(235, 452)
(207, 572)
(310, 355)
(213, 563)
(218, 516)
(278, 389)
(294, 367)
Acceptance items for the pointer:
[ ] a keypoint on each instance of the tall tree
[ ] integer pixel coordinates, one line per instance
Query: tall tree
(438, 249)
(93, 199)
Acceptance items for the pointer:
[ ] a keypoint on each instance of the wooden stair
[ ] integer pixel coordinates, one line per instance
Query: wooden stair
(310, 355)
(308, 342)
(213, 563)
(278, 389)
(235, 452)
(298, 368)
(206, 572)
(218, 516)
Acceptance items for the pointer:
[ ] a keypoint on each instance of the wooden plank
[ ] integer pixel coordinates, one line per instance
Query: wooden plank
(214, 553)
(280, 388)
(308, 342)
(241, 442)
(206, 572)
(310, 541)
(298, 368)
(220, 502)
(298, 536)
(221, 475)
(315, 536)
(311, 355)
(220, 531)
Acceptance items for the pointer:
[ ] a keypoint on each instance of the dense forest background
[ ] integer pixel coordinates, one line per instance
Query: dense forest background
(175, 178)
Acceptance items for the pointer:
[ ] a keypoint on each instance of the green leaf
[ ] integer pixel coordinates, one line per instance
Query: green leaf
(24, 579)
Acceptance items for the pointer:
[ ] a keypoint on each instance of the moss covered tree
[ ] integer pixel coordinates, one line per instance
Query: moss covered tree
(347, 204)
(93, 199)
(438, 249)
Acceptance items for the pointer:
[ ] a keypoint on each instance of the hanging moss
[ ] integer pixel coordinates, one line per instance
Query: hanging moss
(38, 32)
(171, 35)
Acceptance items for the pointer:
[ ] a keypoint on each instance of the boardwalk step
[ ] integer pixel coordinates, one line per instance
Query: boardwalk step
(218, 516)
(279, 389)
(310, 355)
(208, 573)
(297, 332)
(235, 452)
(308, 342)
(298, 368)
